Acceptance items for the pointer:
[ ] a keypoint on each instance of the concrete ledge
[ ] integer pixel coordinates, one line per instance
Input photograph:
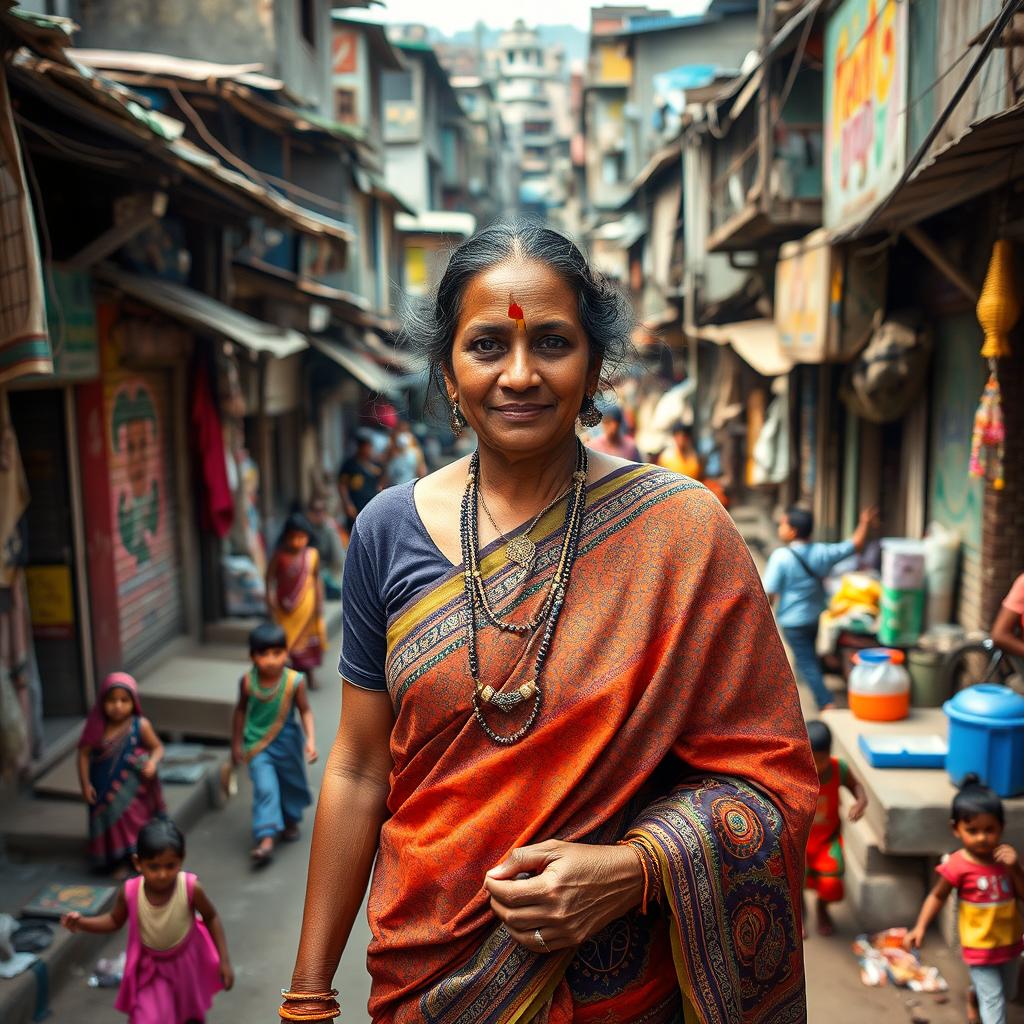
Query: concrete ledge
(884, 901)
(54, 828)
(861, 843)
(909, 809)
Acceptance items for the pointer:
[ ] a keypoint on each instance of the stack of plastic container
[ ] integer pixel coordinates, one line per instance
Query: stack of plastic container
(902, 605)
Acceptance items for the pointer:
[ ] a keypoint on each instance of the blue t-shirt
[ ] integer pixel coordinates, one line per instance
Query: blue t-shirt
(801, 594)
(391, 559)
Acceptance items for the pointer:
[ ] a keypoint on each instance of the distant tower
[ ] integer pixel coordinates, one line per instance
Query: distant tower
(526, 83)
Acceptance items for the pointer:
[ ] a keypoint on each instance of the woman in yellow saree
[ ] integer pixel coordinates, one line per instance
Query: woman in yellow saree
(295, 595)
(574, 745)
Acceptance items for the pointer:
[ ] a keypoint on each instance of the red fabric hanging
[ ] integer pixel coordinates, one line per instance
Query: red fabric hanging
(217, 506)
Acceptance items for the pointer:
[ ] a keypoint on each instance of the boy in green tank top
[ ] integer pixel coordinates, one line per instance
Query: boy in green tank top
(267, 735)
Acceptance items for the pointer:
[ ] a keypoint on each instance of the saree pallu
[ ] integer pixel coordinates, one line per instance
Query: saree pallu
(668, 708)
(298, 614)
(125, 800)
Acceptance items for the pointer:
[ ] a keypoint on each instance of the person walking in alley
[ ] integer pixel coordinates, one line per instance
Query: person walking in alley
(613, 439)
(118, 756)
(295, 595)
(825, 864)
(564, 699)
(681, 455)
(794, 579)
(358, 479)
(404, 459)
(987, 876)
(176, 962)
(266, 735)
(327, 541)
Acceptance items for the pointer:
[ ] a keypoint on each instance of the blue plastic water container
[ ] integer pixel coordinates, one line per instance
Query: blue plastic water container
(986, 736)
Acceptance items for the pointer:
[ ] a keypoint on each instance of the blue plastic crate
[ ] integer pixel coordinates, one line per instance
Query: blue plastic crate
(884, 751)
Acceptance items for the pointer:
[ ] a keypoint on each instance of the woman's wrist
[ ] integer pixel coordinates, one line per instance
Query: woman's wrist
(629, 868)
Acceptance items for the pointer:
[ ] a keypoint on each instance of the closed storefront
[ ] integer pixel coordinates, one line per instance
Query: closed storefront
(144, 507)
(130, 481)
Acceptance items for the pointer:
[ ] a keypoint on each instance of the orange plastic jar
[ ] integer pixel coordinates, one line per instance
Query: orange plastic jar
(879, 685)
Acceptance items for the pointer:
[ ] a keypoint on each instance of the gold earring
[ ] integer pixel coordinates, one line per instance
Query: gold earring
(456, 420)
(590, 415)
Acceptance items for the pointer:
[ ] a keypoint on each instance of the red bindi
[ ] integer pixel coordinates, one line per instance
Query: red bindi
(515, 312)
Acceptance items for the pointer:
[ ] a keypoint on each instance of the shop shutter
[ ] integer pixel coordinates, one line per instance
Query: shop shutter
(144, 505)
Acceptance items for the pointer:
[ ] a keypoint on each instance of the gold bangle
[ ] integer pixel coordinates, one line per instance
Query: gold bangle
(309, 997)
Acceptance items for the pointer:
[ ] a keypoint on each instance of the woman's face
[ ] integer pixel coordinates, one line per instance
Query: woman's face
(521, 389)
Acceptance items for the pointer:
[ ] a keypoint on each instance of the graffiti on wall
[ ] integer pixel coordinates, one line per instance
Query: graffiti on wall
(135, 444)
(865, 106)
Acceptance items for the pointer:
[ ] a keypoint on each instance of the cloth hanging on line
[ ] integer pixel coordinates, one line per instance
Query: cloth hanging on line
(24, 339)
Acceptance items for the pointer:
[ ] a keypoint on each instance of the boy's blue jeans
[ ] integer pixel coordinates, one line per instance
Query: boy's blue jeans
(801, 640)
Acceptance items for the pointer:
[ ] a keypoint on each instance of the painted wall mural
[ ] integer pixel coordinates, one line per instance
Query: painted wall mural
(135, 437)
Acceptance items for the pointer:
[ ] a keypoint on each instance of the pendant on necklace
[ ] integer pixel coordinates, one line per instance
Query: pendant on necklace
(522, 551)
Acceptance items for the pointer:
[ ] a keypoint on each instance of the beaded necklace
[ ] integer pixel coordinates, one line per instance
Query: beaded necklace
(550, 609)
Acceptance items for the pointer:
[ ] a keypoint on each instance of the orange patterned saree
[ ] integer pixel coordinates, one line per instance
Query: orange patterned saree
(669, 713)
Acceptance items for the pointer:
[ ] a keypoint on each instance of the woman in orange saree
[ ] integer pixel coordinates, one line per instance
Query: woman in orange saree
(665, 718)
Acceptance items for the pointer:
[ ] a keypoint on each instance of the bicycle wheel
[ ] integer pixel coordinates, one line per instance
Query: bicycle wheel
(977, 661)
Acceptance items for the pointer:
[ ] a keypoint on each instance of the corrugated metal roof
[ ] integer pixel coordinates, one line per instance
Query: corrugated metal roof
(176, 67)
(85, 93)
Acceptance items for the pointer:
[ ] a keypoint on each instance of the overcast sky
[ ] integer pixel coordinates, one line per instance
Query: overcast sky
(451, 15)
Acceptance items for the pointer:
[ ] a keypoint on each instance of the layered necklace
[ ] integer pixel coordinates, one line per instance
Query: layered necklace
(486, 696)
(521, 549)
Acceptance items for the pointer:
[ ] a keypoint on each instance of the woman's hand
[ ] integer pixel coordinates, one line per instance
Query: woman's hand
(573, 891)
(89, 794)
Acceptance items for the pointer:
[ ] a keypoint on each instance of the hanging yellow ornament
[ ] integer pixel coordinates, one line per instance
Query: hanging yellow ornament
(998, 308)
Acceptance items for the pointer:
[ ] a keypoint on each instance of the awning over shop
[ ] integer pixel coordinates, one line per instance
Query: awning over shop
(985, 156)
(756, 342)
(668, 156)
(359, 365)
(437, 222)
(165, 64)
(204, 313)
(624, 232)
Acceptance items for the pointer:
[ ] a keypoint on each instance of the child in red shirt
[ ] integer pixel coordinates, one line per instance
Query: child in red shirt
(988, 879)
(825, 866)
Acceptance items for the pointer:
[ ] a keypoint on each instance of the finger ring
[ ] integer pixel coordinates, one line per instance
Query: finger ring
(540, 941)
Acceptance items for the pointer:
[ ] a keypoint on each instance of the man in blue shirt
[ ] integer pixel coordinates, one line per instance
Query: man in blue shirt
(794, 580)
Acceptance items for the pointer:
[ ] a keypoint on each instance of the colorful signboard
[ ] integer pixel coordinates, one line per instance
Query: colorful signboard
(825, 302)
(71, 320)
(865, 106)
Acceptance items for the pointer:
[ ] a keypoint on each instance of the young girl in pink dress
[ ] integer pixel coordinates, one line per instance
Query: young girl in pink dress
(176, 962)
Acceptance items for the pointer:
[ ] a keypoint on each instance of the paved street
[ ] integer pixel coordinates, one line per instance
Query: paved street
(262, 913)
